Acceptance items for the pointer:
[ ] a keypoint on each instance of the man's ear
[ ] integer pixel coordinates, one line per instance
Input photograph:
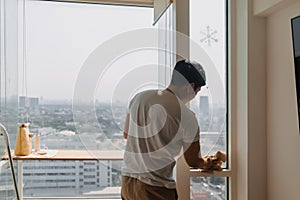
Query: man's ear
(191, 86)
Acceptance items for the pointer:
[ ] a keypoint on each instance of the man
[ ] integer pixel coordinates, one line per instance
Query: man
(158, 126)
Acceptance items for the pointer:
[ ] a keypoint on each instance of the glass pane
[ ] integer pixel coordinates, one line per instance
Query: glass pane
(208, 47)
(209, 188)
(8, 88)
(60, 39)
(166, 54)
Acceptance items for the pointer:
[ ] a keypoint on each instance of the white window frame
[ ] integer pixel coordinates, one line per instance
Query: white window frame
(147, 3)
(183, 172)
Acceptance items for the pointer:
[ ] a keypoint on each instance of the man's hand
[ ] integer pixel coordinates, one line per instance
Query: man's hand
(214, 163)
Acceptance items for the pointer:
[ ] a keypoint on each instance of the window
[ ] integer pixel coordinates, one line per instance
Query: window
(60, 38)
(8, 88)
(208, 30)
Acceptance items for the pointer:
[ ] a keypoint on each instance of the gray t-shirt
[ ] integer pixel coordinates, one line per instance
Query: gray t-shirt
(159, 125)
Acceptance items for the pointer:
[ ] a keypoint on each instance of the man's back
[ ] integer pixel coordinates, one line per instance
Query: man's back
(157, 129)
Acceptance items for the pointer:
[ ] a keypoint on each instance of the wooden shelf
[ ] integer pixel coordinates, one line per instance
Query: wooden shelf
(75, 155)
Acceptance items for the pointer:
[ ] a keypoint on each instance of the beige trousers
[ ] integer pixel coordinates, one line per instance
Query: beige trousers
(133, 189)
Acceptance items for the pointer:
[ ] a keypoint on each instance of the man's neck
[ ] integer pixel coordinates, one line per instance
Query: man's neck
(177, 92)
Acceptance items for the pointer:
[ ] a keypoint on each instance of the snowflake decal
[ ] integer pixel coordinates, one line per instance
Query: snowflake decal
(208, 36)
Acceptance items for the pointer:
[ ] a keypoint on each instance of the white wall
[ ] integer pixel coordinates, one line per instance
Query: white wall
(257, 137)
(268, 139)
(251, 151)
(265, 7)
(283, 138)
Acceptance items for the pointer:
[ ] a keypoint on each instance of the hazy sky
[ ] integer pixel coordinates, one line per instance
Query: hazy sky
(61, 36)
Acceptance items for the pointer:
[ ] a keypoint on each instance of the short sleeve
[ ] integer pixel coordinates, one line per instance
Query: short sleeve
(191, 130)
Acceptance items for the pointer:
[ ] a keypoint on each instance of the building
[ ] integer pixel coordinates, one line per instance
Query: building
(75, 177)
(203, 105)
(32, 102)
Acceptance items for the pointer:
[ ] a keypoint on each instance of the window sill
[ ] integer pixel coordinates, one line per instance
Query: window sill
(199, 173)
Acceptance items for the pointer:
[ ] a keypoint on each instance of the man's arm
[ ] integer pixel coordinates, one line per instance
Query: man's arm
(126, 126)
(191, 155)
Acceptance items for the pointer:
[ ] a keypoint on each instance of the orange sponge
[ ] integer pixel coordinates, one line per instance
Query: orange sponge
(214, 162)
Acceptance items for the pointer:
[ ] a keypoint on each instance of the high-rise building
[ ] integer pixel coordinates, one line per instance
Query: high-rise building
(32, 102)
(22, 101)
(204, 105)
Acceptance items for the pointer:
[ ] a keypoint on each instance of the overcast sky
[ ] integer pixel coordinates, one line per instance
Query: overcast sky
(61, 36)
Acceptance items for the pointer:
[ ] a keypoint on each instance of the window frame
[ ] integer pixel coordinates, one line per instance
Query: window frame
(183, 171)
(144, 3)
(180, 26)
